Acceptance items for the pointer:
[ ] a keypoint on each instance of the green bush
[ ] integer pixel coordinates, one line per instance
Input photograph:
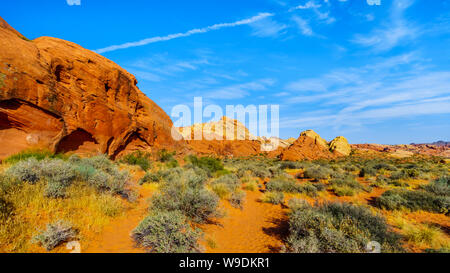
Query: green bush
(209, 164)
(336, 228)
(150, 178)
(185, 192)
(317, 172)
(28, 170)
(440, 186)
(138, 158)
(231, 181)
(413, 200)
(367, 171)
(290, 186)
(290, 165)
(167, 232)
(55, 234)
(273, 198)
(32, 153)
(165, 156)
(347, 186)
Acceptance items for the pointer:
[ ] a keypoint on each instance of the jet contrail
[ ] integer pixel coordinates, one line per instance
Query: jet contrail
(184, 34)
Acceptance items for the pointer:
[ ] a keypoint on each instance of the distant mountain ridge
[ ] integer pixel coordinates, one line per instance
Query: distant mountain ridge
(437, 143)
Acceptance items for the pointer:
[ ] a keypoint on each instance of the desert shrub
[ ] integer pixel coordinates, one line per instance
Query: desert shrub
(317, 172)
(413, 200)
(55, 190)
(336, 228)
(172, 164)
(166, 232)
(6, 209)
(197, 204)
(58, 171)
(231, 181)
(290, 165)
(150, 177)
(440, 186)
(209, 164)
(165, 156)
(28, 170)
(237, 199)
(367, 171)
(273, 198)
(100, 162)
(84, 171)
(138, 158)
(251, 185)
(196, 177)
(405, 174)
(32, 153)
(290, 186)
(254, 169)
(345, 187)
(221, 190)
(424, 234)
(188, 195)
(220, 173)
(55, 234)
(350, 167)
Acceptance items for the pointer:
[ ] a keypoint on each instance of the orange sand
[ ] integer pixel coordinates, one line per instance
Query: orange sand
(115, 238)
(258, 228)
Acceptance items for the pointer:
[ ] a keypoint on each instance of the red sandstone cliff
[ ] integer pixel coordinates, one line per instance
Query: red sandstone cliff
(55, 94)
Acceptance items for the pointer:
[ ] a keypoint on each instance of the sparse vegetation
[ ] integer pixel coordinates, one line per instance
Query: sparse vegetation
(273, 198)
(55, 234)
(336, 228)
(138, 158)
(167, 232)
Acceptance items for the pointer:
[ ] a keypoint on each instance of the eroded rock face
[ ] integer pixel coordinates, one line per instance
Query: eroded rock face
(55, 94)
(306, 147)
(319, 140)
(340, 145)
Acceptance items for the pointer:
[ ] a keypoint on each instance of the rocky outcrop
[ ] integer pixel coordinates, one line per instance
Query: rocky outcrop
(224, 129)
(306, 147)
(317, 138)
(401, 151)
(340, 145)
(55, 94)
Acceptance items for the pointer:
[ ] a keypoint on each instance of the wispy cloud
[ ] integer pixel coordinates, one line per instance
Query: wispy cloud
(156, 39)
(303, 25)
(392, 33)
(267, 28)
(321, 15)
(73, 2)
(371, 93)
(238, 91)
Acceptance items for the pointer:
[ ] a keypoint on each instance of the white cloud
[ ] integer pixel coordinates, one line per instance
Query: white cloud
(238, 91)
(312, 5)
(395, 87)
(392, 33)
(147, 41)
(267, 28)
(303, 25)
(73, 2)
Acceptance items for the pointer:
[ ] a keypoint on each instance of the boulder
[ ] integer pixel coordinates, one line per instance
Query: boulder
(340, 145)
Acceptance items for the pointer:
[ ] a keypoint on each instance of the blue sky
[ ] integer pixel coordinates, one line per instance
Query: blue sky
(373, 73)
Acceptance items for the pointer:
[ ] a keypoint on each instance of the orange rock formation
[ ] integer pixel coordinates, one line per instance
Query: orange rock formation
(55, 94)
